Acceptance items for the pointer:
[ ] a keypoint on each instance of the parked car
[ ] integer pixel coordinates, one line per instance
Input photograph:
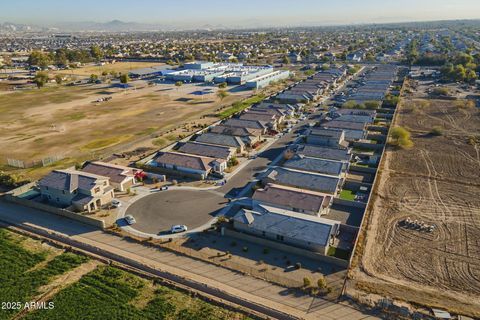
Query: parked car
(179, 228)
(163, 188)
(116, 203)
(130, 220)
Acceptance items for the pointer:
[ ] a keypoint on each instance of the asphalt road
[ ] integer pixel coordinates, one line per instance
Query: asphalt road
(158, 212)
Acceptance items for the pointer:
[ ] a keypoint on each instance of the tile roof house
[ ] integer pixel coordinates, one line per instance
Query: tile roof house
(292, 228)
(82, 190)
(298, 200)
(320, 152)
(222, 140)
(323, 166)
(303, 180)
(121, 177)
(254, 124)
(188, 164)
(327, 137)
(207, 150)
(248, 135)
(270, 119)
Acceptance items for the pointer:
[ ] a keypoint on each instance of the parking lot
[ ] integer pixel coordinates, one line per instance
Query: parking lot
(158, 212)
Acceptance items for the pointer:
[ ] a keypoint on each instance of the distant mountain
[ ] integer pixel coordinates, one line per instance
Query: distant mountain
(111, 26)
(17, 27)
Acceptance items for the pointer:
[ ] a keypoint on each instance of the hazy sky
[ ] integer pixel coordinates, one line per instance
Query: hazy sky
(237, 12)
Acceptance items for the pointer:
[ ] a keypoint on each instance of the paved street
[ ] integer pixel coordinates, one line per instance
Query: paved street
(157, 212)
(244, 286)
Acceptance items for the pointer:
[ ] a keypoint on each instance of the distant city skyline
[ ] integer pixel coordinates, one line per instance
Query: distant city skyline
(247, 13)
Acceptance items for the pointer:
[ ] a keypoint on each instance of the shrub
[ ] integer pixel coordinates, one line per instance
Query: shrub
(266, 250)
(307, 282)
(174, 182)
(401, 137)
(436, 131)
(322, 283)
(233, 244)
(245, 249)
(298, 265)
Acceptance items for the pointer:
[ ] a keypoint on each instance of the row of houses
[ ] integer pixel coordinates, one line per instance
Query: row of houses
(375, 85)
(294, 200)
(88, 189)
(210, 151)
(314, 87)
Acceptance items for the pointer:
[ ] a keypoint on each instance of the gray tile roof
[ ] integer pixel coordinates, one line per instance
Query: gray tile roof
(116, 173)
(324, 152)
(236, 131)
(343, 125)
(183, 160)
(244, 124)
(70, 180)
(283, 196)
(303, 180)
(220, 139)
(325, 132)
(291, 225)
(206, 150)
(317, 165)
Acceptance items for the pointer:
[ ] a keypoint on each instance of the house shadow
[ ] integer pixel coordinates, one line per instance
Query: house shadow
(261, 256)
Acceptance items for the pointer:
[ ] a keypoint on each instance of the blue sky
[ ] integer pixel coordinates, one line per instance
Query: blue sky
(239, 12)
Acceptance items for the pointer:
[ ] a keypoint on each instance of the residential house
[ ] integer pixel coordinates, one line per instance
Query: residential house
(291, 228)
(353, 130)
(188, 164)
(313, 151)
(298, 200)
(121, 177)
(269, 119)
(322, 166)
(222, 140)
(303, 180)
(82, 190)
(327, 137)
(207, 150)
(252, 124)
(249, 136)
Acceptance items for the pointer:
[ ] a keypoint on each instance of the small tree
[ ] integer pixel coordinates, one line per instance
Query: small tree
(372, 104)
(222, 94)
(58, 79)
(93, 77)
(178, 84)
(124, 78)
(40, 79)
(222, 85)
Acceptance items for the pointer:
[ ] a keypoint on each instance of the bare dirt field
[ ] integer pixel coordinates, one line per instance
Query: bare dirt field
(437, 182)
(64, 121)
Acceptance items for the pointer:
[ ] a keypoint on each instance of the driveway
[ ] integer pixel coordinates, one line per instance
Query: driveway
(157, 212)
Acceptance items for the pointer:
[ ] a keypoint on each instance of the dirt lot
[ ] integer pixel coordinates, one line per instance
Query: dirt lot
(64, 121)
(437, 182)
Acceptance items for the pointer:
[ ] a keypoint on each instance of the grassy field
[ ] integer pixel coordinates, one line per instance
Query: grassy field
(122, 67)
(109, 293)
(64, 121)
(23, 272)
(239, 106)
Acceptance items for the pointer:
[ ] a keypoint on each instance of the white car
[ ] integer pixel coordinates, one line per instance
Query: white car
(116, 203)
(130, 219)
(179, 228)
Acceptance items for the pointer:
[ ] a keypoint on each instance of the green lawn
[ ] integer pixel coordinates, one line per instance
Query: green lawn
(239, 106)
(110, 293)
(347, 195)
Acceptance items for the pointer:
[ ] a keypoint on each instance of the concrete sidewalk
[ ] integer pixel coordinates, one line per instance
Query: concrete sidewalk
(244, 286)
